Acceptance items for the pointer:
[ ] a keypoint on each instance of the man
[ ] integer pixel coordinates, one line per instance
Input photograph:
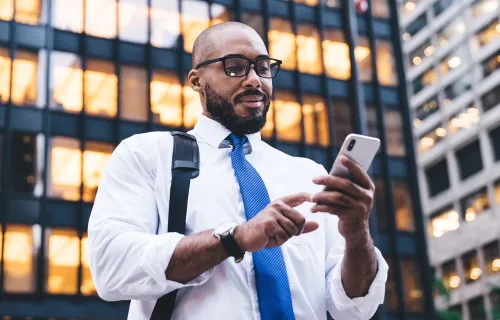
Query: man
(300, 244)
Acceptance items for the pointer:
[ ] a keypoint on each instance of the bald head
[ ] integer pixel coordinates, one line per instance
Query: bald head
(206, 43)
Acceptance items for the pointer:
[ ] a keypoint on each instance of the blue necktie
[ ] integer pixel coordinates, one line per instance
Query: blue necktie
(273, 289)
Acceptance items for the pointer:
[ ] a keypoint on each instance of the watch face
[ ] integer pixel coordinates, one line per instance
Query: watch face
(224, 228)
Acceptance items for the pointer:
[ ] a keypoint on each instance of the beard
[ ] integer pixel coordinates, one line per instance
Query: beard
(223, 111)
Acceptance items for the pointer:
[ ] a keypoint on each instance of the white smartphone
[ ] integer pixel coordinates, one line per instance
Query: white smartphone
(361, 149)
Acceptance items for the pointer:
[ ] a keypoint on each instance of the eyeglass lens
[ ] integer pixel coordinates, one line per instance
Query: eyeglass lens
(238, 67)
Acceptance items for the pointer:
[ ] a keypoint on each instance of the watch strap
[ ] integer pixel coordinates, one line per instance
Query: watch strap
(231, 246)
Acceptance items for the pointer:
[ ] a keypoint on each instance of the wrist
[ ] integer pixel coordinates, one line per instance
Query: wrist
(358, 240)
(238, 237)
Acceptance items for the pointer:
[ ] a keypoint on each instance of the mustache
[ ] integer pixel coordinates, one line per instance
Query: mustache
(251, 92)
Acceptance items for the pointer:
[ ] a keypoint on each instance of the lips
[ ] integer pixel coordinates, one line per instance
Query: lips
(252, 98)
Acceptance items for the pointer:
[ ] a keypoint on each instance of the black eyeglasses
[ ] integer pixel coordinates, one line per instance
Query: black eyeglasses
(238, 66)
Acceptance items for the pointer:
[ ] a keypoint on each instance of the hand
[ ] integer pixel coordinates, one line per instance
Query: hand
(274, 225)
(350, 200)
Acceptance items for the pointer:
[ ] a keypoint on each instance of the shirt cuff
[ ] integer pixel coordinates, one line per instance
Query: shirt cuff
(156, 258)
(366, 304)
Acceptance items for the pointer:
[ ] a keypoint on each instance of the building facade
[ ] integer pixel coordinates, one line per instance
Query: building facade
(452, 57)
(79, 76)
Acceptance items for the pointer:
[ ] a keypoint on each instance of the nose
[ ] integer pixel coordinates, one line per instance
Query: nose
(252, 79)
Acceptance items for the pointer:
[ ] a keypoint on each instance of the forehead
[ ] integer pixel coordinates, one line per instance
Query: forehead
(243, 41)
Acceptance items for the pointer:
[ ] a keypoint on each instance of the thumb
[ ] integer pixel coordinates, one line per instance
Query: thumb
(310, 226)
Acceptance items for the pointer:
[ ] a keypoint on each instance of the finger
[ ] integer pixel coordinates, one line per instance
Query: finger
(358, 174)
(296, 199)
(295, 217)
(281, 236)
(334, 198)
(333, 209)
(310, 226)
(289, 227)
(340, 184)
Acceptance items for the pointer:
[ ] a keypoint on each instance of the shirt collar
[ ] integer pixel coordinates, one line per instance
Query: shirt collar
(215, 134)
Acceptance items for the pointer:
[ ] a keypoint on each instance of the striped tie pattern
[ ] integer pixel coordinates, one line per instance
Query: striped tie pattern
(273, 289)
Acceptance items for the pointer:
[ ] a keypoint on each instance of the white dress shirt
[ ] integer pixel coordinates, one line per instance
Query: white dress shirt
(128, 259)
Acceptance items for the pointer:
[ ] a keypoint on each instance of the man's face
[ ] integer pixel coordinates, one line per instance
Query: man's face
(238, 103)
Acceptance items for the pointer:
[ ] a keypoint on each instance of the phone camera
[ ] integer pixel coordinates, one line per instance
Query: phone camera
(351, 145)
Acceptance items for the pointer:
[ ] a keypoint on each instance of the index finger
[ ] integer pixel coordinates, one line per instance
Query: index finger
(296, 199)
(358, 174)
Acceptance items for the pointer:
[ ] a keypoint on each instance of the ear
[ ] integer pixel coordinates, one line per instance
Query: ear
(194, 80)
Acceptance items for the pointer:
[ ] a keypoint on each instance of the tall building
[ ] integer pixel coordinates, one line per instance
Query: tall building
(79, 76)
(452, 56)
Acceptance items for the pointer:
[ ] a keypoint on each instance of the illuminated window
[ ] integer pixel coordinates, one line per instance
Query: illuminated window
(25, 79)
(450, 32)
(472, 271)
(342, 121)
(336, 55)
(463, 120)
(474, 204)
(288, 116)
(381, 8)
(133, 93)
(101, 89)
(133, 20)
(309, 50)
(65, 168)
(425, 110)
(363, 58)
(394, 133)
(68, 15)
(408, 6)
(491, 99)
(100, 18)
(66, 82)
(165, 23)
(255, 21)
(219, 14)
(6, 9)
(451, 278)
(88, 287)
(268, 131)
(62, 261)
(20, 253)
(192, 105)
(437, 177)
(27, 11)
(403, 206)
(422, 51)
(480, 8)
(282, 43)
(469, 160)
(492, 257)
(27, 163)
(457, 88)
(194, 20)
(5, 66)
(414, 27)
(412, 284)
(166, 98)
(316, 120)
(491, 64)
(308, 2)
(459, 57)
(431, 138)
(444, 221)
(428, 78)
(488, 33)
(386, 65)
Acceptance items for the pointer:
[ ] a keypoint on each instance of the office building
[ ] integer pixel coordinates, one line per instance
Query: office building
(452, 57)
(79, 76)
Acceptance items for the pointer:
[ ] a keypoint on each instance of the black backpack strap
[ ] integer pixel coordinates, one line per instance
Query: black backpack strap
(185, 166)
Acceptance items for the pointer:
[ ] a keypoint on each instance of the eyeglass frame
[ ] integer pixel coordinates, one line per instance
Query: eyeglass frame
(250, 63)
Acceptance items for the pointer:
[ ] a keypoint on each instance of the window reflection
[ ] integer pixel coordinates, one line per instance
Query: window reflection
(87, 288)
(133, 20)
(219, 14)
(166, 98)
(309, 50)
(412, 284)
(133, 93)
(394, 133)
(288, 116)
(26, 75)
(451, 278)
(431, 138)
(101, 89)
(464, 120)
(474, 204)
(342, 121)
(66, 82)
(492, 257)
(282, 42)
(403, 206)
(472, 271)
(100, 18)
(336, 55)
(165, 23)
(444, 221)
(27, 163)
(450, 32)
(68, 15)
(194, 20)
(386, 65)
(62, 261)
(363, 58)
(315, 120)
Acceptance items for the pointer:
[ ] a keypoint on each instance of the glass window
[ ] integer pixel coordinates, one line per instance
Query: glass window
(342, 121)
(165, 23)
(469, 160)
(444, 221)
(20, 254)
(451, 278)
(66, 82)
(87, 288)
(62, 261)
(453, 30)
(437, 177)
(403, 206)
(488, 33)
(1, 172)
(316, 120)
(457, 88)
(412, 283)
(336, 55)
(381, 8)
(441, 5)
(101, 89)
(491, 99)
(495, 141)
(372, 121)
(457, 58)
(465, 119)
(166, 98)
(428, 78)
(482, 7)
(492, 257)
(425, 110)
(282, 42)
(133, 93)
(421, 52)
(332, 3)
(288, 115)
(431, 138)
(414, 27)
(380, 205)
(255, 21)
(309, 50)
(491, 64)
(133, 20)
(497, 191)
(27, 11)
(100, 18)
(192, 106)
(5, 66)
(7, 10)
(391, 295)
(194, 20)
(472, 271)
(394, 133)
(268, 131)
(474, 204)
(219, 14)
(27, 163)
(386, 65)
(66, 168)
(27, 77)
(363, 58)
(477, 310)
(308, 2)
(68, 15)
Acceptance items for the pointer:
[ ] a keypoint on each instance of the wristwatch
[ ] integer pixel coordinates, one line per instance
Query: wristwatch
(224, 233)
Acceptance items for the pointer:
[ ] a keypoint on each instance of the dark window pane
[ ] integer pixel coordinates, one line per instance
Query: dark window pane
(451, 278)
(27, 160)
(412, 283)
(491, 98)
(492, 257)
(380, 205)
(437, 177)
(391, 296)
(421, 52)
(371, 117)
(443, 221)
(414, 27)
(440, 6)
(342, 121)
(490, 64)
(425, 110)
(426, 79)
(495, 141)
(474, 204)
(1, 159)
(457, 88)
(133, 93)
(477, 309)
(394, 133)
(469, 160)
(472, 271)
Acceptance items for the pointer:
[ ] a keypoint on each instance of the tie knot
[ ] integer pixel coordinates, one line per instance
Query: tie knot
(236, 140)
